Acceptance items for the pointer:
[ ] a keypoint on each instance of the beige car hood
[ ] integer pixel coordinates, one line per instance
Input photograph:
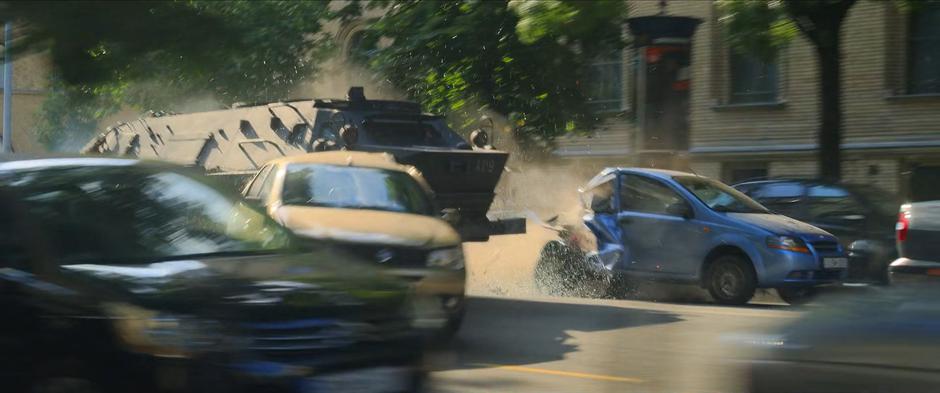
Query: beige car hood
(368, 226)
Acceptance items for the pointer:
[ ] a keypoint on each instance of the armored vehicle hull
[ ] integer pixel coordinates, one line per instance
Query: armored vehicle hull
(234, 143)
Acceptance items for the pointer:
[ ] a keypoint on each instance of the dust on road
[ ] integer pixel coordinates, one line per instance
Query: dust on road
(504, 265)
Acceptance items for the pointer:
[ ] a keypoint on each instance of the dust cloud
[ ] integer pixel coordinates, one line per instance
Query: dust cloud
(336, 76)
(543, 189)
(504, 265)
(539, 189)
(76, 138)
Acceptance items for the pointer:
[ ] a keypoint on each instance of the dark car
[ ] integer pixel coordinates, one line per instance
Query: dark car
(861, 216)
(123, 276)
(918, 239)
(886, 342)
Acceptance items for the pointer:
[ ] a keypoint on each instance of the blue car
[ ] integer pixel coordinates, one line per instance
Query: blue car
(681, 227)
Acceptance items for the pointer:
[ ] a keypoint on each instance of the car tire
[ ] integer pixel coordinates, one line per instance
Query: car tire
(731, 280)
(796, 296)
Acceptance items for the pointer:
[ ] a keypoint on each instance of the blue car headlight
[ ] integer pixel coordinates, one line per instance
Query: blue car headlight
(788, 243)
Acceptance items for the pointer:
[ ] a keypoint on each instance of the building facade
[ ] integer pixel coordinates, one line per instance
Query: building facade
(753, 119)
(31, 74)
(31, 77)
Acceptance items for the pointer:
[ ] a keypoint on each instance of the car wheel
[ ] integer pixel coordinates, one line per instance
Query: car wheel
(798, 295)
(731, 280)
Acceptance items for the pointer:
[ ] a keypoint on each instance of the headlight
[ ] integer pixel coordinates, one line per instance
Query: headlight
(788, 243)
(158, 334)
(451, 258)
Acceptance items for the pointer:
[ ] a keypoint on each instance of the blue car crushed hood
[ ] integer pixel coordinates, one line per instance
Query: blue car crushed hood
(778, 224)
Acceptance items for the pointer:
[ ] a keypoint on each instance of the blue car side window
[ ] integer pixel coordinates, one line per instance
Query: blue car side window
(640, 194)
(602, 198)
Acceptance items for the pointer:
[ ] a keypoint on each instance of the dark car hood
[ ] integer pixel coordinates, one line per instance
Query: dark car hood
(779, 224)
(257, 287)
(890, 327)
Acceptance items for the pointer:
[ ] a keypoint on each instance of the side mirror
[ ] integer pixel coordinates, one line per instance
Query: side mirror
(680, 209)
(349, 134)
(480, 139)
(321, 144)
(451, 215)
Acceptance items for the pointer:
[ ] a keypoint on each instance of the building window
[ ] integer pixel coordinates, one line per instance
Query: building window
(925, 184)
(924, 50)
(752, 80)
(604, 87)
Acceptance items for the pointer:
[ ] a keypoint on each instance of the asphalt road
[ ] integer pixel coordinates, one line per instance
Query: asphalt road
(516, 340)
(542, 344)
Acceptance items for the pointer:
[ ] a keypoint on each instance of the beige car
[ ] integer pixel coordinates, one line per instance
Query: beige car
(369, 204)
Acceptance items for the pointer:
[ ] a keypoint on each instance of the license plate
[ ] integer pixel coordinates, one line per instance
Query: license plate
(835, 263)
(369, 380)
(465, 166)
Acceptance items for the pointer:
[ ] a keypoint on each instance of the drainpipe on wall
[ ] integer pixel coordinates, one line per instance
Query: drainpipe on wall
(7, 89)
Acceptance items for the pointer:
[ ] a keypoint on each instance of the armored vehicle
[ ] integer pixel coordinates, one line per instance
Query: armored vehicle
(235, 142)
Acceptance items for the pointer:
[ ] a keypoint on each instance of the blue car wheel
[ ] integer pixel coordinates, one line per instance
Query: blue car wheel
(731, 280)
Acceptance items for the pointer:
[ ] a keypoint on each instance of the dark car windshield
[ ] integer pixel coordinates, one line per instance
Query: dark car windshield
(718, 196)
(883, 202)
(124, 215)
(354, 188)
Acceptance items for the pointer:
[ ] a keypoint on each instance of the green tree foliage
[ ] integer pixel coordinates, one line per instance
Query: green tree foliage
(522, 58)
(761, 28)
(107, 55)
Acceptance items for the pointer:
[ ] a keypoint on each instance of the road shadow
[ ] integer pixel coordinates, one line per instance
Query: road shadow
(764, 298)
(474, 384)
(689, 294)
(510, 331)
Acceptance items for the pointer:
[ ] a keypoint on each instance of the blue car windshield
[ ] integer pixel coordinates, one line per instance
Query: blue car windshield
(718, 196)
